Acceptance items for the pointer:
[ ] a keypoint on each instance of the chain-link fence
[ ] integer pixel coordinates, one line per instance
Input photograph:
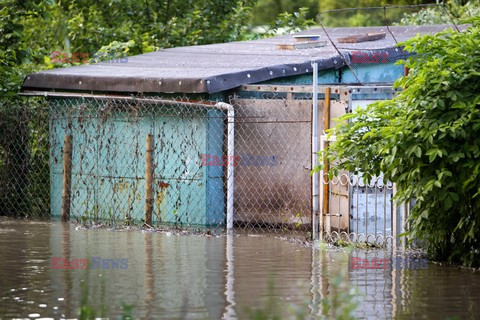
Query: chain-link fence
(159, 161)
(186, 164)
(24, 158)
(274, 191)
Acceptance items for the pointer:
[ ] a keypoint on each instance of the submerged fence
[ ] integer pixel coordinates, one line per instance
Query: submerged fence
(24, 158)
(187, 164)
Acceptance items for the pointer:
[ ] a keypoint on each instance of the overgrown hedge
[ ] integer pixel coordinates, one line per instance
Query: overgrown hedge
(24, 158)
(427, 141)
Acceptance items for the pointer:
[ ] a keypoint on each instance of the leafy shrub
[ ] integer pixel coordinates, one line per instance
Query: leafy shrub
(427, 141)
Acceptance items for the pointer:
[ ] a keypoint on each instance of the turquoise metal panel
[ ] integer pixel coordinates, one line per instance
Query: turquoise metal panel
(179, 143)
(84, 167)
(56, 180)
(179, 176)
(324, 76)
(121, 166)
(84, 204)
(373, 73)
(121, 143)
(81, 125)
(215, 210)
(193, 202)
(180, 202)
(121, 198)
(108, 180)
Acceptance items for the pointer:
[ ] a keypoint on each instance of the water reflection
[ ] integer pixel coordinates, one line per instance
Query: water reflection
(204, 277)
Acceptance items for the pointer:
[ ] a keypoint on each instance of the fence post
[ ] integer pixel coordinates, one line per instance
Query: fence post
(394, 218)
(315, 192)
(67, 177)
(149, 180)
(326, 165)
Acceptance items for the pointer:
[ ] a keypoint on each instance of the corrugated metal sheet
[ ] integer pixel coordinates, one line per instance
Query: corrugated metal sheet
(216, 67)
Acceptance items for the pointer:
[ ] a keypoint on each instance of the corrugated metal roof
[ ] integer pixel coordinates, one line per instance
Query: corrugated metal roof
(216, 67)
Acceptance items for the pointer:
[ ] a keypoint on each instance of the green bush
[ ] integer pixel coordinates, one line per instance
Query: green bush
(24, 158)
(427, 141)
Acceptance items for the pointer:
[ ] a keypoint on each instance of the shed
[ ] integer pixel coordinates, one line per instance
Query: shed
(150, 133)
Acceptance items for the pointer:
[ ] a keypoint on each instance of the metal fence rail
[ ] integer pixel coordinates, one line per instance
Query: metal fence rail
(359, 210)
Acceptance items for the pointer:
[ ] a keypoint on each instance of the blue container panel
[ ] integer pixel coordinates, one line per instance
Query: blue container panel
(84, 201)
(179, 143)
(56, 181)
(180, 202)
(215, 202)
(121, 198)
(215, 209)
(121, 147)
(84, 159)
(108, 179)
(373, 73)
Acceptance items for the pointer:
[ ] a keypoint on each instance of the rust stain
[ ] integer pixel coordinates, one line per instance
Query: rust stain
(160, 197)
(163, 185)
(121, 186)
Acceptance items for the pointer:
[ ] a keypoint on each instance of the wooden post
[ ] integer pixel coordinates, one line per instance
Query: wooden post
(67, 177)
(326, 165)
(149, 180)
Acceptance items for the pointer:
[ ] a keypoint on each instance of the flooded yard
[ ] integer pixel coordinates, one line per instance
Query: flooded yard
(177, 276)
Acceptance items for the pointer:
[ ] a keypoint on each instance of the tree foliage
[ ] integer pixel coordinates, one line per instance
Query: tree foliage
(31, 30)
(457, 9)
(265, 12)
(427, 141)
(362, 18)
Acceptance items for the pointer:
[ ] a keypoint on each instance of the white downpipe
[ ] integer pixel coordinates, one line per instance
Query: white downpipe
(230, 280)
(315, 188)
(230, 154)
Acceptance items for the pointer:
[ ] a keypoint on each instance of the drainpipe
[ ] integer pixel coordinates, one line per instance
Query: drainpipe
(230, 154)
(315, 188)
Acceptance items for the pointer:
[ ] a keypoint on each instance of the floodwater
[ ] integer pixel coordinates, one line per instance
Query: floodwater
(178, 276)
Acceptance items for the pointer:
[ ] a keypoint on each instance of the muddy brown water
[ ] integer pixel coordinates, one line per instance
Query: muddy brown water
(169, 276)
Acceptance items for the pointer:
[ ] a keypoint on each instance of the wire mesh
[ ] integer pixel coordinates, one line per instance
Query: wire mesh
(132, 154)
(166, 163)
(104, 178)
(24, 169)
(275, 192)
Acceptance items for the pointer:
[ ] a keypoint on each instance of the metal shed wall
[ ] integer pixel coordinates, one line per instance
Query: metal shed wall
(108, 163)
(281, 194)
